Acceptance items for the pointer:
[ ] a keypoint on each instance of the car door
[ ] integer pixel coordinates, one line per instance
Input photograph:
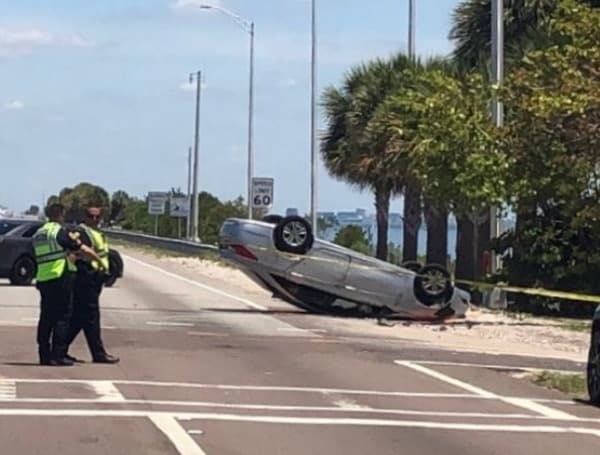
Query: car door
(324, 267)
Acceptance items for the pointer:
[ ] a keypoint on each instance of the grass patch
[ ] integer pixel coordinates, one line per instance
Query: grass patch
(573, 385)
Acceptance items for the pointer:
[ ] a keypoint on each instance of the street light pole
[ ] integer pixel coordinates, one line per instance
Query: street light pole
(189, 193)
(411, 28)
(313, 122)
(194, 211)
(497, 107)
(251, 123)
(249, 27)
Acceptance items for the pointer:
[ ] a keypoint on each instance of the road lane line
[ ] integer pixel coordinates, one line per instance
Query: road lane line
(492, 366)
(246, 302)
(176, 431)
(523, 403)
(256, 388)
(182, 441)
(447, 379)
(8, 390)
(106, 392)
(170, 324)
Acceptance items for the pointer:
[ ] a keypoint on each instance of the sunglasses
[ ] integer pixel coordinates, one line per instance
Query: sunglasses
(94, 217)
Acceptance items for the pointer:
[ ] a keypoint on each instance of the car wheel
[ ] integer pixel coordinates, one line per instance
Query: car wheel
(273, 219)
(413, 266)
(23, 271)
(293, 234)
(432, 285)
(593, 367)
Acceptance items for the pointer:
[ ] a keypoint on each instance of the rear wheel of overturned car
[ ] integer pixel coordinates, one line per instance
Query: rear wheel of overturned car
(23, 271)
(593, 367)
(432, 285)
(293, 234)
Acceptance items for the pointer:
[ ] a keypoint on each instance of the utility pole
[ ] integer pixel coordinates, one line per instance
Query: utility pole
(411, 28)
(189, 194)
(313, 123)
(194, 211)
(251, 123)
(497, 107)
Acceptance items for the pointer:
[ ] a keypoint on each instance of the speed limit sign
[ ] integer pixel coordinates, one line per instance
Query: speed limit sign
(262, 192)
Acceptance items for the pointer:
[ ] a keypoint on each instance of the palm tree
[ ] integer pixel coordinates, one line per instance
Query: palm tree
(348, 150)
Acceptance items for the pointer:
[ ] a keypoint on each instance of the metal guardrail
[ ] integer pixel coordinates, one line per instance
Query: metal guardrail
(176, 245)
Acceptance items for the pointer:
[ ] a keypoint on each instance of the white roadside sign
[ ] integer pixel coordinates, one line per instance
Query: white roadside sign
(262, 192)
(180, 206)
(156, 202)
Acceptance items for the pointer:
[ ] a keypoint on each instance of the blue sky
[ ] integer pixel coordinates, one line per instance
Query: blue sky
(96, 91)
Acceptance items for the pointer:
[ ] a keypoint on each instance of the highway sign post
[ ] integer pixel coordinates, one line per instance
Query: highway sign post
(262, 193)
(157, 206)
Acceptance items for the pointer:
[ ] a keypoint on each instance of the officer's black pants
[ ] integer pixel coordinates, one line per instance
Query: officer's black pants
(86, 314)
(56, 308)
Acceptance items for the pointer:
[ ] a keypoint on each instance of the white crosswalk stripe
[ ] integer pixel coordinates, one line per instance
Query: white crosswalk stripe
(8, 390)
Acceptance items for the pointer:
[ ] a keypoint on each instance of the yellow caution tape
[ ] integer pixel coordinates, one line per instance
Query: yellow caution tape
(540, 292)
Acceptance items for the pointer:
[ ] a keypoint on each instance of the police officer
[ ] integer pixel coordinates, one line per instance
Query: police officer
(88, 287)
(54, 248)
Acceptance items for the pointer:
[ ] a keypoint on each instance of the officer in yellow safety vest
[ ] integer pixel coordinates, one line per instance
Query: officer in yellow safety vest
(88, 287)
(54, 248)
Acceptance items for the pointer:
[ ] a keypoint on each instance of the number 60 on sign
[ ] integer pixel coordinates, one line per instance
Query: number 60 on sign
(262, 192)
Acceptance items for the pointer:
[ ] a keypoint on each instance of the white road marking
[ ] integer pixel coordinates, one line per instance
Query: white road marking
(344, 407)
(492, 366)
(106, 391)
(170, 324)
(182, 441)
(209, 334)
(246, 302)
(8, 390)
(257, 388)
(523, 403)
(447, 379)
(175, 432)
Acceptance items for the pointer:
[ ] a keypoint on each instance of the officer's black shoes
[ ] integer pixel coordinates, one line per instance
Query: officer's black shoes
(64, 362)
(106, 358)
(73, 359)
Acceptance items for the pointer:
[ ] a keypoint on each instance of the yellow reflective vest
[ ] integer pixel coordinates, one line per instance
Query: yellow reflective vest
(51, 258)
(100, 246)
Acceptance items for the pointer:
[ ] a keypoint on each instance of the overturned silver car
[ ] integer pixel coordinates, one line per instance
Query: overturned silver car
(282, 255)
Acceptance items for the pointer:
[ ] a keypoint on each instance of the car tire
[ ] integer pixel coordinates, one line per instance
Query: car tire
(593, 366)
(273, 219)
(413, 266)
(433, 285)
(23, 271)
(293, 234)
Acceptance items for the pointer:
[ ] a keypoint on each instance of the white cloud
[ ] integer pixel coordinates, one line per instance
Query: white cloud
(15, 105)
(193, 5)
(24, 41)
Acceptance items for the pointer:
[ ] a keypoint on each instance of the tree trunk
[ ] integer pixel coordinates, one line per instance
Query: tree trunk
(382, 206)
(465, 265)
(437, 235)
(411, 224)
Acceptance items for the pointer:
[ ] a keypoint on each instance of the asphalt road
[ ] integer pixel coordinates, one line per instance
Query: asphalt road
(208, 368)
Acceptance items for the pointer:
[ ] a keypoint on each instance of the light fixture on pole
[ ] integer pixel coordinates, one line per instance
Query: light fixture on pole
(249, 27)
(497, 107)
(313, 123)
(194, 209)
